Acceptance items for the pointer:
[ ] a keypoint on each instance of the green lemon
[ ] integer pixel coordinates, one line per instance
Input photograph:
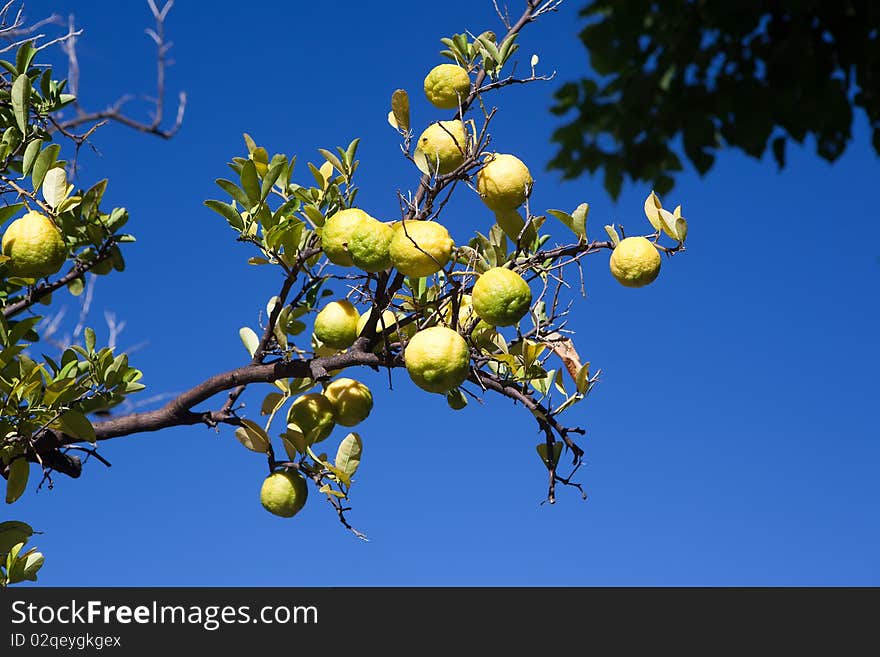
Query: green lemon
(34, 245)
(337, 231)
(501, 297)
(284, 493)
(504, 182)
(443, 145)
(437, 359)
(635, 262)
(351, 399)
(420, 248)
(368, 245)
(447, 85)
(336, 324)
(314, 415)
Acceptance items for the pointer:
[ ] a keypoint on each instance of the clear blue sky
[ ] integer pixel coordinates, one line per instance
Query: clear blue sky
(731, 440)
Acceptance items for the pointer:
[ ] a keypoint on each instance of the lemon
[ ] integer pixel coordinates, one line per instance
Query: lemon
(314, 415)
(447, 85)
(437, 359)
(512, 224)
(635, 262)
(420, 248)
(336, 324)
(351, 399)
(284, 493)
(387, 322)
(443, 145)
(337, 231)
(504, 182)
(368, 245)
(501, 297)
(34, 245)
(465, 311)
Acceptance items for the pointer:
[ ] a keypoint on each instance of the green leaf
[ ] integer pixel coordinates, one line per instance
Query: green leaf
(252, 436)
(348, 456)
(45, 161)
(294, 442)
(25, 56)
(249, 339)
(544, 454)
(30, 155)
(271, 403)
(21, 96)
(76, 424)
(250, 182)
(8, 211)
(582, 379)
(90, 340)
(13, 532)
(332, 159)
(228, 212)
(19, 470)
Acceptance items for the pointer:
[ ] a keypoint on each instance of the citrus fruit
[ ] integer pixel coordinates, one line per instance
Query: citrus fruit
(447, 85)
(368, 245)
(420, 248)
(443, 145)
(336, 324)
(388, 320)
(635, 262)
(512, 224)
(501, 297)
(336, 233)
(351, 399)
(313, 414)
(437, 359)
(504, 182)
(34, 245)
(284, 493)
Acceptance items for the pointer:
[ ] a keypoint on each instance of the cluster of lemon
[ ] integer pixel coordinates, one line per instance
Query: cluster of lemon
(437, 358)
(345, 402)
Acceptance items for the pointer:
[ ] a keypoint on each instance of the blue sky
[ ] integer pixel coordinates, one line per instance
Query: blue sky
(730, 441)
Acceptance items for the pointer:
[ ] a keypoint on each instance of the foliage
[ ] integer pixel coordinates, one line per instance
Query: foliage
(676, 79)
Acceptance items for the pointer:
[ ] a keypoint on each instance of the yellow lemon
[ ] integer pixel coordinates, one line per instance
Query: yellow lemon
(635, 262)
(504, 182)
(501, 297)
(443, 145)
(368, 245)
(337, 232)
(336, 324)
(284, 493)
(351, 399)
(437, 359)
(34, 245)
(420, 248)
(314, 415)
(447, 85)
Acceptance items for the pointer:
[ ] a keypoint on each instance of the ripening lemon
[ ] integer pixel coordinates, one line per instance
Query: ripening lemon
(351, 399)
(336, 324)
(635, 262)
(314, 415)
(501, 297)
(337, 231)
(443, 144)
(512, 224)
(447, 85)
(368, 245)
(437, 359)
(504, 182)
(284, 493)
(420, 248)
(34, 245)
